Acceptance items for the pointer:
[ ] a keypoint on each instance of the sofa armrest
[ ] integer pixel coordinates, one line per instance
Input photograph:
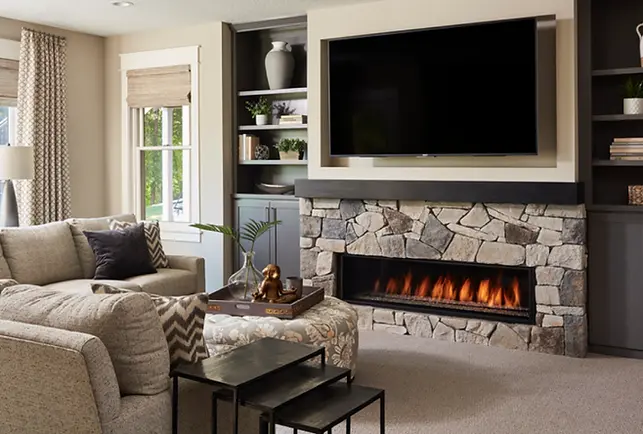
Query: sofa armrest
(195, 264)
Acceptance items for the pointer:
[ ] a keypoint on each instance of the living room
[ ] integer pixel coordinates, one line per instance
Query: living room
(507, 293)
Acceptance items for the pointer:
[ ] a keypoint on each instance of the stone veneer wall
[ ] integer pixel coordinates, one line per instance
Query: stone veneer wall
(550, 238)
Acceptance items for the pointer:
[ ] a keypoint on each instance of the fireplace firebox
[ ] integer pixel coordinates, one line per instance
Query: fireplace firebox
(441, 287)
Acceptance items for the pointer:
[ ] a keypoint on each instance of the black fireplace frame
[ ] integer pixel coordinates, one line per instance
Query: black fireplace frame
(440, 311)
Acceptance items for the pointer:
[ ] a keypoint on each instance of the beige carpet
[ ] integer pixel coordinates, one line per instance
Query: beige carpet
(436, 387)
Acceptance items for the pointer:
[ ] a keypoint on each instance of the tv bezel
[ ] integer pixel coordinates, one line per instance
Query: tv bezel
(546, 106)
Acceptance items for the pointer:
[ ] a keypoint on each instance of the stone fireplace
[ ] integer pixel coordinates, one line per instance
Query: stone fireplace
(508, 275)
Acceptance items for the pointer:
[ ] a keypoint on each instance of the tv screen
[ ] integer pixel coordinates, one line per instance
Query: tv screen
(465, 90)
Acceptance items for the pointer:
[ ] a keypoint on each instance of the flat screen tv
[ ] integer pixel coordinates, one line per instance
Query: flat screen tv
(475, 89)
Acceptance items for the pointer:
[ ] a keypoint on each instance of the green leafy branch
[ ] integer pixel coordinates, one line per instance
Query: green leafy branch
(250, 231)
(633, 89)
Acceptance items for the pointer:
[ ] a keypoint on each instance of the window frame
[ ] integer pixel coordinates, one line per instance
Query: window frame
(132, 198)
(10, 49)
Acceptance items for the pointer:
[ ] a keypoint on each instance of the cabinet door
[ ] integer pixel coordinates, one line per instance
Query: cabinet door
(258, 210)
(286, 236)
(616, 280)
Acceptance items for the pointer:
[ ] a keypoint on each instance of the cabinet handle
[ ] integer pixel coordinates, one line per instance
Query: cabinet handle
(267, 213)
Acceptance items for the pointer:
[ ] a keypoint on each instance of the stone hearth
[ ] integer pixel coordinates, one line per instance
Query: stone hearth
(550, 238)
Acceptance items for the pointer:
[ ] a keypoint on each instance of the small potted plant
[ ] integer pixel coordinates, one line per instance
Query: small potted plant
(633, 102)
(260, 110)
(291, 149)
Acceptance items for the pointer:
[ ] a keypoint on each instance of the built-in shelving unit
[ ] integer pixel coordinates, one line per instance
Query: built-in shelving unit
(608, 55)
(272, 127)
(274, 92)
(619, 117)
(274, 163)
(617, 71)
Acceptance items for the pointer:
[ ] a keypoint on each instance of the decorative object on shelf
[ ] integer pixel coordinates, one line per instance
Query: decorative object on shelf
(293, 120)
(291, 149)
(635, 194)
(633, 102)
(280, 65)
(627, 148)
(283, 109)
(16, 162)
(244, 282)
(271, 289)
(262, 152)
(638, 32)
(275, 188)
(295, 283)
(248, 145)
(260, 110)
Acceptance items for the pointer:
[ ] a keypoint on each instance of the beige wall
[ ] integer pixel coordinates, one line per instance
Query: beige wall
(85, 108)
(215, 135)
(393, 15)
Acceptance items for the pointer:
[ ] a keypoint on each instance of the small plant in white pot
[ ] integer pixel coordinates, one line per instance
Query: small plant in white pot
(291, 149)
(633, 102)
(260, 110)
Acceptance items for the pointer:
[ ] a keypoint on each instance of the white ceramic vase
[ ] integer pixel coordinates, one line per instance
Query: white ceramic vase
(633, 106)
(280, 65)
(261, 119)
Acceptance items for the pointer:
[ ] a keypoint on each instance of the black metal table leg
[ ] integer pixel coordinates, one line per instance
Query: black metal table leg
(382, 416)
(235, 417)
(294, 431)
(175, 405)
(348, 425)
(271, 426)
(214, 413)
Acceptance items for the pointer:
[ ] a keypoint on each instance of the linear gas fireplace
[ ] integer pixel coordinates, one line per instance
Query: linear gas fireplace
(440, 287)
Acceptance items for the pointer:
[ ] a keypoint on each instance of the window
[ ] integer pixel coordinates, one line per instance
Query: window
(164, 158)
(7, 125)
(160, 139)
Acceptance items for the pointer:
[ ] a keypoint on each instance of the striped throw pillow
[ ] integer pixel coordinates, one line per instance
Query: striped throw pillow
(182, 318)
(153, 238)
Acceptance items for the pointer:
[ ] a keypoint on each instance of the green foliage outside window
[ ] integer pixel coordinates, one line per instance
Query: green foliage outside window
(153, 171)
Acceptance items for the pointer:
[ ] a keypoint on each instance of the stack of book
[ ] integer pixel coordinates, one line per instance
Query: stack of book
(247, 147)
(627, 148)
(292, 119)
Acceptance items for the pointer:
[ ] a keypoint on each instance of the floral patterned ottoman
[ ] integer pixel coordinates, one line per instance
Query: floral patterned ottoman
(331, 323)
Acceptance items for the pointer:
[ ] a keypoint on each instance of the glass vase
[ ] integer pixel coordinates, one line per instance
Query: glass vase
(246, 281)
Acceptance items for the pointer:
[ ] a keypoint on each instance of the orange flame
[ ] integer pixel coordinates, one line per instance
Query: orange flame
(447, 288)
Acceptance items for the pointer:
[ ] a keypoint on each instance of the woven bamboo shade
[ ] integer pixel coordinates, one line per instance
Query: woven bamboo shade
(159, 87)
(8, 82)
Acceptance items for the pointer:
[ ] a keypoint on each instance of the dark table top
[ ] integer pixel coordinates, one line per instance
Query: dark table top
(248, 363)
(276, 390)
(321, 409)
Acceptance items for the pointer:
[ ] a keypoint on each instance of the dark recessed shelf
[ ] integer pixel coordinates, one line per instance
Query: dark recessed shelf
(617, 163)
(265, 196)
(274, 162)
(617, 71)
(272, 127)
(267, 92)
(607, 118)
(616, 208)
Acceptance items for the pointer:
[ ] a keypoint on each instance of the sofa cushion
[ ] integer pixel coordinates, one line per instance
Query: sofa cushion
(120, 254)
(167, 281)
(84, 286)
(41, 254)
(85, 253)
(127, 324)
(153, 238)
(182, 318)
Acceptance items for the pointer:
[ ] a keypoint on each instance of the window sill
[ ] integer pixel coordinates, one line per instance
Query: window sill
(180, 232)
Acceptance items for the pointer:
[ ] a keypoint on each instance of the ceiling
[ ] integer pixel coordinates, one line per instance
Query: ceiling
(100, 17)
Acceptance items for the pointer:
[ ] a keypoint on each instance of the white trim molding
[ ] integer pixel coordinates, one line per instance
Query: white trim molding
(131, 197)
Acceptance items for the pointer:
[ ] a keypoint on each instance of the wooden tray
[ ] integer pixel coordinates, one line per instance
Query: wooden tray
(221, 301)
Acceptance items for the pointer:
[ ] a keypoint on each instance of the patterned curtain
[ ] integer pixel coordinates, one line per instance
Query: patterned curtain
(42, 123)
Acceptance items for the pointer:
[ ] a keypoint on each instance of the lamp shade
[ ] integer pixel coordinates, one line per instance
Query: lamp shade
(16, 162)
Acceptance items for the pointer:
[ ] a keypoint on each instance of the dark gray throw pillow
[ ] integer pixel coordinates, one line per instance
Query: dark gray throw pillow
(121, 253)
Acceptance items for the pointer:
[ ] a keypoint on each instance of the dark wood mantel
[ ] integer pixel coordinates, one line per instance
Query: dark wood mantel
(560, 193)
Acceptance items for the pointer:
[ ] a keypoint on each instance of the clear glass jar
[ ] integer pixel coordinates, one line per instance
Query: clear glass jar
(246, 281)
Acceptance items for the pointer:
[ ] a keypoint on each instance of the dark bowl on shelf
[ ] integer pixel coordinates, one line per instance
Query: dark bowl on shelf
(275, 188)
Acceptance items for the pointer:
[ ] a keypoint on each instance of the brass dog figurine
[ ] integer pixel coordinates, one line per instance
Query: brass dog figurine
(271, 289)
